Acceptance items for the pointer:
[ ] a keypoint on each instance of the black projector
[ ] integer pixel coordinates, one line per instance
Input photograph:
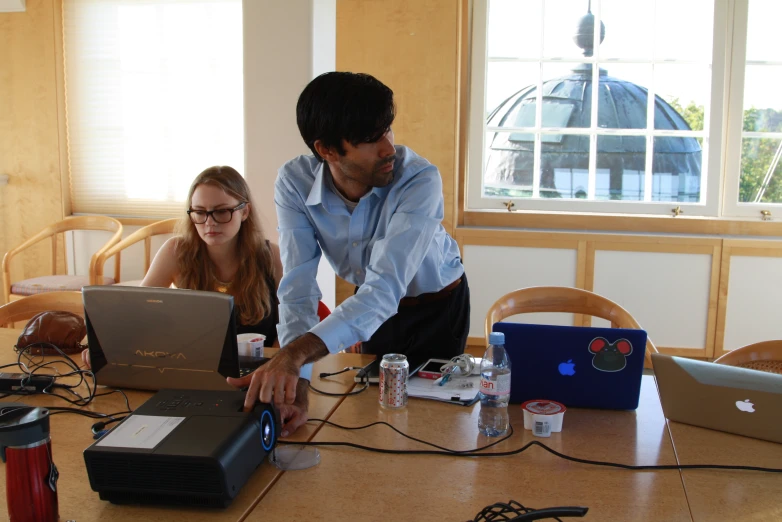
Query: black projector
(183, 447)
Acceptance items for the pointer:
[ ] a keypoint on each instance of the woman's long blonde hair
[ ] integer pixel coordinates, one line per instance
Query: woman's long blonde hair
(250, 287)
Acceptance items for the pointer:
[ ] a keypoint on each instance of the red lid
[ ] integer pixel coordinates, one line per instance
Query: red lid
(544, 407)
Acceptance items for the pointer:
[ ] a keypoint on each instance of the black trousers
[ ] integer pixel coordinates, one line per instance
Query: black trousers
(432, 330)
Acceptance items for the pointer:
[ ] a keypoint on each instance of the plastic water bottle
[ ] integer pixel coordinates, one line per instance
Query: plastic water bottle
(495, 387)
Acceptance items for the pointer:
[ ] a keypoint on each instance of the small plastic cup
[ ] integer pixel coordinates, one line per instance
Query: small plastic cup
(250, 344)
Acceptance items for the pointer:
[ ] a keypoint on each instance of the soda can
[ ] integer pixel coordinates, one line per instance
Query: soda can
(394, 370)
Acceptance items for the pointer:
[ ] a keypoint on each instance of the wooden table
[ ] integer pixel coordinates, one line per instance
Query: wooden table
(71, 435)
(729, 495)
(359, 485)
(371, 486)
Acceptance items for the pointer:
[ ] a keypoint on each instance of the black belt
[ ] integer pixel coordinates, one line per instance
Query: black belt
(430, 297)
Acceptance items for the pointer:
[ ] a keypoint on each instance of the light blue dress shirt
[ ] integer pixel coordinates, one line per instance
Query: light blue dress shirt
(392, 245)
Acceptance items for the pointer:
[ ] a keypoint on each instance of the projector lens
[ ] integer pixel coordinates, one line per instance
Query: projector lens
(267, 430)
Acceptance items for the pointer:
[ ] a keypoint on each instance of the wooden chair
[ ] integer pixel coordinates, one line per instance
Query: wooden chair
(143, 234)
(55, 282)
(765, 356)
(565, 300)
(26, 307)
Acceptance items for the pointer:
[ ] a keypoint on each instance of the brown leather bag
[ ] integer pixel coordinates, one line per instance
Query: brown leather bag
(64, 330)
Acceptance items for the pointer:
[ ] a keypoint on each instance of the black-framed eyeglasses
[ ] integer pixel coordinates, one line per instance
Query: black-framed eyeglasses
(220, 215)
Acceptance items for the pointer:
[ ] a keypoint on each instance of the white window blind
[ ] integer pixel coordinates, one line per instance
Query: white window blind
(154, 95)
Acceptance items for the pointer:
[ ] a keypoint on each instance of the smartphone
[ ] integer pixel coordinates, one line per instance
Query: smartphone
(431, 369)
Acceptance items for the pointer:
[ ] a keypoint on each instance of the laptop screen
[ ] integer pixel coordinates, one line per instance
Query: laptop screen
(581, 367)
(154, 338)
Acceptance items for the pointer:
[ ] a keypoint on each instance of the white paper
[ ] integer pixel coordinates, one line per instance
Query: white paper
(457, 388)
(140, 431)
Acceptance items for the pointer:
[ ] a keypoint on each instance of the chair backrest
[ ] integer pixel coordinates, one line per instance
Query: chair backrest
(104, 223)
(765, 356)
(562, 299)
(26, 307)
(143, 234)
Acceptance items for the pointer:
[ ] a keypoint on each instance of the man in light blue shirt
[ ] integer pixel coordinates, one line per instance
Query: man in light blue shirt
(375, 211)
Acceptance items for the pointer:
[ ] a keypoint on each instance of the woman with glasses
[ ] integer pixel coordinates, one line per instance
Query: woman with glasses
(219, 245)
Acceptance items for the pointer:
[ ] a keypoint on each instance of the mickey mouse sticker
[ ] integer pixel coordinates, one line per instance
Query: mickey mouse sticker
(610, 357)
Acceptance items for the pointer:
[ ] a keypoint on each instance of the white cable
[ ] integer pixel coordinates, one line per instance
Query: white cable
(461, 365)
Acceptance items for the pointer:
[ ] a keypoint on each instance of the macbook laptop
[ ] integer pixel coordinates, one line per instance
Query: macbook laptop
(720, 397)
(581, 367)
(156, 338)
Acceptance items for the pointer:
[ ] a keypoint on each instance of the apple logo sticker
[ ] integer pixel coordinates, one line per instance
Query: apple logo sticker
(745, 405)
(567, 368)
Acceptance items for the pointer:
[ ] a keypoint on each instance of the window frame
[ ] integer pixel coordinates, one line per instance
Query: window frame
(731, 206)
(712, 181)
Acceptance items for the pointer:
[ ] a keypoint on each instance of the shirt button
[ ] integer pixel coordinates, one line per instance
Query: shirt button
(355, 243)
(358, 272)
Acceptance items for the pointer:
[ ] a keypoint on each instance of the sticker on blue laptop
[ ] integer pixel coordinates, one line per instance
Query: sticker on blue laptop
(610, 357)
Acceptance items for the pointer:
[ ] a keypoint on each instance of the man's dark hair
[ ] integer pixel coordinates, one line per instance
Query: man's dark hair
(341, 105)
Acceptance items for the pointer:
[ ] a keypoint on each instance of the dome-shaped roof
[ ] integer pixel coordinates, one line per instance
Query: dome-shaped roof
(567, 103)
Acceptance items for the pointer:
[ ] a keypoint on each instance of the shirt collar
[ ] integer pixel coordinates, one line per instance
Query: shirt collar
(318, 194)
(318, 187)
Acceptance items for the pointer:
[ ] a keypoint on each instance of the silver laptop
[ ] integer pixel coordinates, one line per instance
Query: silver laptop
(720, 397)
(156, 338)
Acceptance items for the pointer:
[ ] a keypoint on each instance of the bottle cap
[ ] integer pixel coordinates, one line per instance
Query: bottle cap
(496, 338)
(21, 425)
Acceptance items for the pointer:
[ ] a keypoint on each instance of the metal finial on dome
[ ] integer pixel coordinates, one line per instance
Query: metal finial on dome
(585, 32)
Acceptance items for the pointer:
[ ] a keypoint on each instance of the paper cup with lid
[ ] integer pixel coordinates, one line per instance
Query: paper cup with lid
(554, 411)
(250, 344)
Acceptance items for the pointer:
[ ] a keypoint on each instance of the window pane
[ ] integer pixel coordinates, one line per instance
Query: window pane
(150, 101)
(629, 35)
(761, 171)
(564, 166)
(763, 30)
(683, 30)
(506, 80)
(509, 166)
(622, 102)
(685, 89)
(560, 25)
(676, 169)
(514, 29)
(565, 101)
(621, 162)
(763, 98)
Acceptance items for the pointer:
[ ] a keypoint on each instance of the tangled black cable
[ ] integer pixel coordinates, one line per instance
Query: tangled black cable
(514, 511)
(32, 367)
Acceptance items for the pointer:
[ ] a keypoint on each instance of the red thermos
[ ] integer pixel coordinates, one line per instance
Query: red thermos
(30, 473)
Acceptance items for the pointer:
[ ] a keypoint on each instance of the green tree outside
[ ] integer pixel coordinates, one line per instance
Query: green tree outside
(756, 153)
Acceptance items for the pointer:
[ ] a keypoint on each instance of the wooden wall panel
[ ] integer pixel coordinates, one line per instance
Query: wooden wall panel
(30, 132)
(411, 46)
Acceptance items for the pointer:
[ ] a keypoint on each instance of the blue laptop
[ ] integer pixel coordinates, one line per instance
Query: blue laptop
(581, 367)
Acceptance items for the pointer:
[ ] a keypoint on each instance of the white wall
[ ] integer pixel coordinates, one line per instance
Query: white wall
(754, 301)
(667, 293)
(286, 44)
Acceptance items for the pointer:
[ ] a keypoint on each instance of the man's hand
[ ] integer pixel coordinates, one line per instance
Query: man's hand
(294, 415)
(276, 380)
